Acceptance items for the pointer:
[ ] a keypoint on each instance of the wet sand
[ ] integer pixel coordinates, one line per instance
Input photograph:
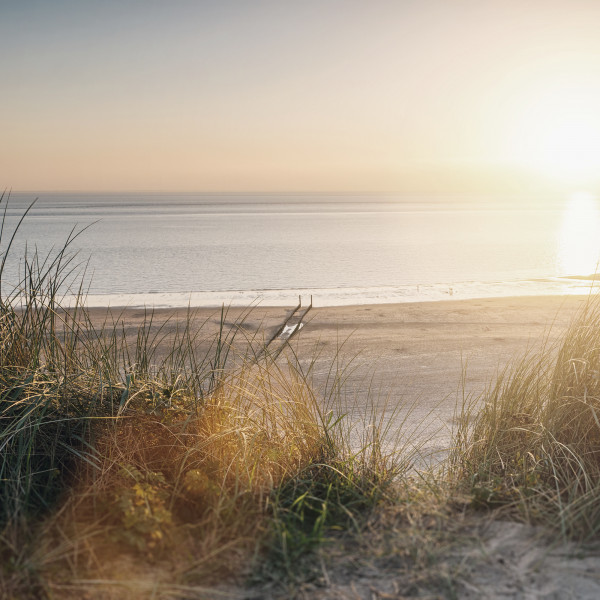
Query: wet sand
(423, 355)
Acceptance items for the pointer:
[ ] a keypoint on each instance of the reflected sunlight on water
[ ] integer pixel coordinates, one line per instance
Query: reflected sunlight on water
(579, 236)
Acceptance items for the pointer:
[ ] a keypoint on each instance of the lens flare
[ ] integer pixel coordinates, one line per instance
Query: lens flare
(579, 236)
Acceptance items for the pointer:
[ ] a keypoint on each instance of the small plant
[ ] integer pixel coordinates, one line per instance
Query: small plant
(142, 502)
(339, 493)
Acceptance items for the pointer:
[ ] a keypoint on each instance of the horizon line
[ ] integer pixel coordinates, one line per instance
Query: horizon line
(10, 191)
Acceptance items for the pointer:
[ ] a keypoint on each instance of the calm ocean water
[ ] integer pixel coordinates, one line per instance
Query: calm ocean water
(169, 249)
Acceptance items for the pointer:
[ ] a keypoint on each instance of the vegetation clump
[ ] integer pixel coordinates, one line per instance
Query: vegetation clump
(531, 444)
(195, 456)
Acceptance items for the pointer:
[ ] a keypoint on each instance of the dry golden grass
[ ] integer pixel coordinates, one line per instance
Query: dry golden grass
(532, 444)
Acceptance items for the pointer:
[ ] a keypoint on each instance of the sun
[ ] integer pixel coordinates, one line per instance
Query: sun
(566, 146)
(578, 248)
(557, 133)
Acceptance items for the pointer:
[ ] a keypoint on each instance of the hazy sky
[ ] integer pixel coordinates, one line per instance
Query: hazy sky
(411, 95)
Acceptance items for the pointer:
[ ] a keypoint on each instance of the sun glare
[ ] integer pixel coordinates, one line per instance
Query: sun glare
(579, 236)
(569, 147)
(558, 134)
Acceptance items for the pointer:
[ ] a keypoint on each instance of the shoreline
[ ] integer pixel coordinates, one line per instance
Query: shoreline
(351, 296)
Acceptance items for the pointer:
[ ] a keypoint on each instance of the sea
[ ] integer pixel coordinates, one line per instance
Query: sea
(170, 250)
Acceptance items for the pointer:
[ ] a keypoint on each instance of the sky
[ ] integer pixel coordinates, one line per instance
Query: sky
(331, 95)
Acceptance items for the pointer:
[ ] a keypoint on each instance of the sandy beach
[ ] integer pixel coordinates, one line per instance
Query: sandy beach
(417, 359)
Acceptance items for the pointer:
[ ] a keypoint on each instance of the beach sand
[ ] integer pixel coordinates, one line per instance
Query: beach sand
(417, 359)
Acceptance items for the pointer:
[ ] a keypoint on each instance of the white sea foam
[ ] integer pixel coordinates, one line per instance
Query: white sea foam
(348, 296)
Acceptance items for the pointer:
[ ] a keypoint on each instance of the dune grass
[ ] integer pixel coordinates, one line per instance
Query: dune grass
(531, 444)
(164, 463)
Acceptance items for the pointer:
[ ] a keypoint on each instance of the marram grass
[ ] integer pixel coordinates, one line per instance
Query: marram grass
(132, 464)
(531, 444)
